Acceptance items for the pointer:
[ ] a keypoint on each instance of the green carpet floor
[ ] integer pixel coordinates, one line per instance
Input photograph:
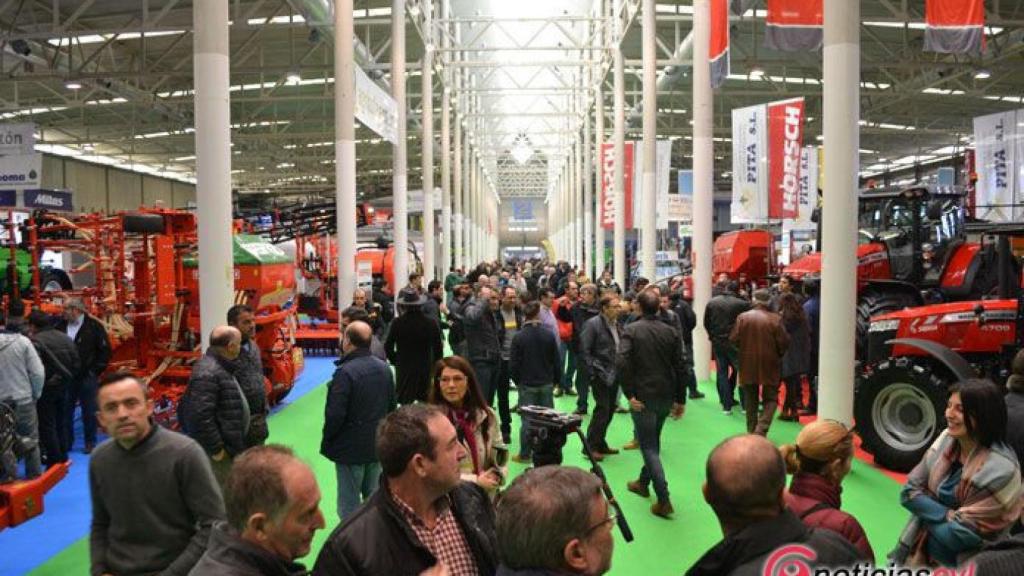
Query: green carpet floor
(661, 547)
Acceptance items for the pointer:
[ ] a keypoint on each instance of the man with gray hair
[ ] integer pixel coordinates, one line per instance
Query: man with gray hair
(761, 340)
(273, 508)
(94, 354)
(554, 520)
(216, 412)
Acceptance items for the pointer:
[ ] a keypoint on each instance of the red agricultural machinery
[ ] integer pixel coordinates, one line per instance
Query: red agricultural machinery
(139, 277)
(915, 354)
(913, 250)
(309, 230)
(741, 254)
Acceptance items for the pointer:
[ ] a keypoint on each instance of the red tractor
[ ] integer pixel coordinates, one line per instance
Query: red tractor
(740, 254)
(913, 250)
(914, 355)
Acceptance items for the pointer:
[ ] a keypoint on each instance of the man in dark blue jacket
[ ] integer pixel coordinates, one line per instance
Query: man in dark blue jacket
(533, 366)
(361, 394)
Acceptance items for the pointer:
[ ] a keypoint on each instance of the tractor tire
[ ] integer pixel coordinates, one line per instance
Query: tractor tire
(143, 223)
(873, 302)
(900, 408)
(54, 280)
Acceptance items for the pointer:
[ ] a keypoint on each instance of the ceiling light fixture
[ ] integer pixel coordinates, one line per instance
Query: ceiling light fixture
(982, 74)
(756, 72)
(73, 85)
(293, 77)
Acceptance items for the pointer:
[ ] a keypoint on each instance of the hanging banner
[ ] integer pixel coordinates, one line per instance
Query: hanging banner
(607, 205)
(679, 207)
(375, 108)
(785, 139)
(719, 49)
(999, 147)
(662, 167)
(808, 186)
(749, 166)
(8, 198)
(794, 25)
(16, 139)
(954, 26)
(21, 171)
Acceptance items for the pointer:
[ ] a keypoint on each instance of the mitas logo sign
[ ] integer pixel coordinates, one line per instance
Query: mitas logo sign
(48, 199)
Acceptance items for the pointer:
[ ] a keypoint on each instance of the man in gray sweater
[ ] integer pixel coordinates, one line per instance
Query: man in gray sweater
(154, 498)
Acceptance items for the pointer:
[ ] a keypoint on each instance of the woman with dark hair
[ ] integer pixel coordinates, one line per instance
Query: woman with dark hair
(797, 358)
(456, 391)
(819, 460)
(967, 489)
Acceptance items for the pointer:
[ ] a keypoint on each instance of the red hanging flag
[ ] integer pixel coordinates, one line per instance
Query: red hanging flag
(794, 25)
(719, 49)
(955, 26)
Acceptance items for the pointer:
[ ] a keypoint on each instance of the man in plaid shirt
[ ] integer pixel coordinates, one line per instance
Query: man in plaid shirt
(423, 519)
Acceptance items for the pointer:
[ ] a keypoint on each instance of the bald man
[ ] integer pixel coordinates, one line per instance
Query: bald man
(746, 477)
(216, 413)
(360, 394)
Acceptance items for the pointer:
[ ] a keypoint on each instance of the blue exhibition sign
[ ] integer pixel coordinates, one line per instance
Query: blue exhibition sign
(8, 198)
(48, 200)
(522, 210)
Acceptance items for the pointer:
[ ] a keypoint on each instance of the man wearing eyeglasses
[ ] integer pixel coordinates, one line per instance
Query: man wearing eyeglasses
(554, 520)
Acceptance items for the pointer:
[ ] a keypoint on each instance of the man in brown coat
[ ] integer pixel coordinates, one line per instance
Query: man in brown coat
(762, 341)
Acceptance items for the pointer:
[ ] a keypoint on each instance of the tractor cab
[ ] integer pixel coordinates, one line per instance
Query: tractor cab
(918, 227)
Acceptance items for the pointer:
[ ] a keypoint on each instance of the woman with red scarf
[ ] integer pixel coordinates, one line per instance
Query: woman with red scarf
(456, 391)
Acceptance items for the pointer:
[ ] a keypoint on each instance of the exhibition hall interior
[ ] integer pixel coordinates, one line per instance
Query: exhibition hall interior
(495, 288)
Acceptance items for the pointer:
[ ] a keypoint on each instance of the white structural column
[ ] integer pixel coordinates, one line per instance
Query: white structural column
(618, 184)
(581, 207)
(649, 206)
(446, 173)
(841, 108)
(213, 163)
(429, 238)
(345, 150)
(459, 112)
(588, 198)
(400, 171)
(703, 184)
(467, 193)
(598, 164)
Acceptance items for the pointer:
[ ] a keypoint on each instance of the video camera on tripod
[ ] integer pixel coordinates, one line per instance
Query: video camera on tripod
(546, 433)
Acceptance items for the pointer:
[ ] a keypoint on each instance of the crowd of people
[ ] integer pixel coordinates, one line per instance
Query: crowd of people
(421, 441)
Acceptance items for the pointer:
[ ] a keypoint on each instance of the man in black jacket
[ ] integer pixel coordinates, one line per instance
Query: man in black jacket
(534, 368)
(650, 363)
(422, 516)
(249, 374)
(361, 393)
(413, 346)
(60, 362)
(687, 322)
(585, 309)
(273, 507)
(483, 338)
(755, 521)
(599, 345)
(719, 318)
(94, 354)
(216, 411)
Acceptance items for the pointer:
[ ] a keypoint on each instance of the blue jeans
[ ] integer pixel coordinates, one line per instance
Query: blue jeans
(532, 396)
(356, 483)
(570, 368)
(84, 392)
(726, 356)
(648, 423)
(487, 377)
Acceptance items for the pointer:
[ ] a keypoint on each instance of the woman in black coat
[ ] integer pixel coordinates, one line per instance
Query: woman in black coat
(413, 346)
(796, 361)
